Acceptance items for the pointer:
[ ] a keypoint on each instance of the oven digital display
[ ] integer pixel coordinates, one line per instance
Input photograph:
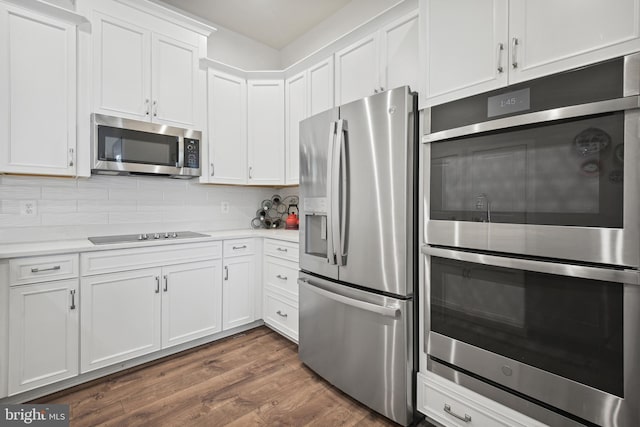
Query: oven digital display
(510, 102)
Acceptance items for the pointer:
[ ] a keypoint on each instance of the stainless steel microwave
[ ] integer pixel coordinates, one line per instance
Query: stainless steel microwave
(128, 147)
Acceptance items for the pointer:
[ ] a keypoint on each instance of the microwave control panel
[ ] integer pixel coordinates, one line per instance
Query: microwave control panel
(191, 153)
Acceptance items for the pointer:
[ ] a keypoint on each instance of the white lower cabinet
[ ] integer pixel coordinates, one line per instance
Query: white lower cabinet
(120, 317)
(43, 334)
(450, 404)
(239, 283)
(280, 278)
(191, 303)
(131, 313)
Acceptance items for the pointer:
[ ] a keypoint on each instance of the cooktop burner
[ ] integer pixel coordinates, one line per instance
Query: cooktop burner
(133, 238)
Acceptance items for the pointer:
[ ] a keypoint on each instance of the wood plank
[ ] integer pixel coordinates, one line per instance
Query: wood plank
(254, 378)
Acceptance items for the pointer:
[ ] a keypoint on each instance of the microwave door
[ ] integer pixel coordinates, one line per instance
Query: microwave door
(317, 140)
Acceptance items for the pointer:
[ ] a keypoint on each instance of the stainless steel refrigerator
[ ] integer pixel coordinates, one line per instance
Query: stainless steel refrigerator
(357, 251)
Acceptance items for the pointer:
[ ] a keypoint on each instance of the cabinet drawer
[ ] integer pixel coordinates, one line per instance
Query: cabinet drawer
(281, 249)
(445, 401)
(239, 247)
(133, 259)
(41, 269)
(282, 315)
(282, 276)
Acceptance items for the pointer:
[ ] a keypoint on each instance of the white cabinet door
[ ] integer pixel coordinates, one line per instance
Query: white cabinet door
(399, 65)
(122, 68)
(463, 41)
(37, 94)
(120, 317)
(266, 132)
(296, 109)
(556, 36)
(238, 291)
(320, 85)
(357, 70)
(227, 99)
(174, 81)
(191, 301)
(43, 334)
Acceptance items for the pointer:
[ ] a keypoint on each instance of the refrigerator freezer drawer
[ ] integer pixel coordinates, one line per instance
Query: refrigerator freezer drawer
(360, 342)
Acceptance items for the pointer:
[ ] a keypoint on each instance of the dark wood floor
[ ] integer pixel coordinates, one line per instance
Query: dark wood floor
(251, 379)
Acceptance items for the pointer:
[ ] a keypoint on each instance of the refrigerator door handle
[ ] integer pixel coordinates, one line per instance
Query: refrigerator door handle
(383, 310)
(336, 201)
(331, 253)
(344, 204)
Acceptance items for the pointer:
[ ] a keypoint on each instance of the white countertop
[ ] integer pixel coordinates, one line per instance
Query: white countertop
(15, 250)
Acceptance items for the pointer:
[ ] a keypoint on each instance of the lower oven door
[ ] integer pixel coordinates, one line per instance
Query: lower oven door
(560, 335)
(360, 342)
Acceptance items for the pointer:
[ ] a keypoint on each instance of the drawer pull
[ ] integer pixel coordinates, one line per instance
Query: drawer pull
(39, 270)
(281, 314)
(166, 284)
(226, 272)
(282, 249)
(73, 299)
(157, 284)
(281, 277)
(239, 247)
(466, 418)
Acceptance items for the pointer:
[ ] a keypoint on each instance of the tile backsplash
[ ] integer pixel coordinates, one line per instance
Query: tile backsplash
(44, 208)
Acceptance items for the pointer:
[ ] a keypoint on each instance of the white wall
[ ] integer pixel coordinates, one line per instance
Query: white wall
(355, 13)
(234, 49)
(101, 205)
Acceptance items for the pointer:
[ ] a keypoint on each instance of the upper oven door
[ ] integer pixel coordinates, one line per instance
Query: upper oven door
(562, 186)
(562, 334)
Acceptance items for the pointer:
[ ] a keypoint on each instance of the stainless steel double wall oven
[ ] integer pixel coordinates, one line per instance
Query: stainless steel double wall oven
(531, 223)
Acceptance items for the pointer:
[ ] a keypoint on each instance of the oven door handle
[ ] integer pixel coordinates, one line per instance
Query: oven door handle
(630, 277)
(608, 106)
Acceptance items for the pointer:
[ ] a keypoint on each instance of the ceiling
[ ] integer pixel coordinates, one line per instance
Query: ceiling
(275, 23)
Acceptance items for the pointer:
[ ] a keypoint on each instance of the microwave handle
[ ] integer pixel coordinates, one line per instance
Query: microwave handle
(180, 163)
(630, 277)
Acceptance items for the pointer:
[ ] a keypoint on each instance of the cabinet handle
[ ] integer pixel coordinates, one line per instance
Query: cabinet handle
(514, 56)
(40, 270)
(166, 284)
(73, 299)
(157, 285)
(212, 169)
(226, 272)
(71, 156)
(282, 249)
(281, 314)
(375, 91)
(240, 247)
(381, 89)
(281, 277)
(155, 108)
(250, 172)
(499, 55)
(466, 418)
(146, 106)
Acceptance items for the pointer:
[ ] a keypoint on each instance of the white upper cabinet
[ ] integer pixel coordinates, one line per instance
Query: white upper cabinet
(357, 73)
(383, 60)
(266, 132)
(555, 36)
(472, 46)
(227, 117)
(143, 75)
(296, 109)
(320, 86)
(399, 65)
(37, 93)
(463, 41)
(173, 81)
